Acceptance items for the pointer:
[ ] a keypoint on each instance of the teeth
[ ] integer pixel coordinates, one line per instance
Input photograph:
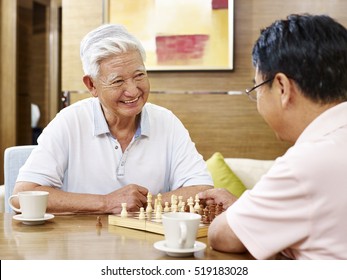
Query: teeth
(130, 101)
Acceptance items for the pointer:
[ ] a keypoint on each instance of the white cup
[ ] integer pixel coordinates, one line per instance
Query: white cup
(180, 229)
(33, 204)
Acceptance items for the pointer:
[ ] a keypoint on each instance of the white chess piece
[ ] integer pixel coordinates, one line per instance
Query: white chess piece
(155, 205)
(124, 212)
(166, 208)
(149, 208)
(173, 198)
(174, 207)
(180, 202)
(197, 203)
(159, 197)
(182, 208)
(142, 215)
(191, 204)
(158, 213)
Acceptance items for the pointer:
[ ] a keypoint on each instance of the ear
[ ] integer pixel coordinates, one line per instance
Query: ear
(87, 80)
(285, 87)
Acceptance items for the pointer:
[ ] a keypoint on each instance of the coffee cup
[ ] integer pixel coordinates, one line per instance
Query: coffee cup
(180, 229)
(33, 204)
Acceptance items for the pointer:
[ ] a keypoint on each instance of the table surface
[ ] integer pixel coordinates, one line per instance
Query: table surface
(79, 237)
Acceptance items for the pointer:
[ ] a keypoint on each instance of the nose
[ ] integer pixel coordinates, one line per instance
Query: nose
(130, 88)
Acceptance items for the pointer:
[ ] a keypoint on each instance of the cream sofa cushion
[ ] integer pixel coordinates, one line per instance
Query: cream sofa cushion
(249, 170)
(223, 176)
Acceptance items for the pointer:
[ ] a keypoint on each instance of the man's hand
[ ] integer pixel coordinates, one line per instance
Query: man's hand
(217, 196)
(133, 195)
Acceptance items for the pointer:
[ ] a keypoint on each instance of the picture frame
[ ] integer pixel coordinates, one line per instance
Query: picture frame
(179, 35)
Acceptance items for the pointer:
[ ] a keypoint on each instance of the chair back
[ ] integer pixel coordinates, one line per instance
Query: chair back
(14, 159)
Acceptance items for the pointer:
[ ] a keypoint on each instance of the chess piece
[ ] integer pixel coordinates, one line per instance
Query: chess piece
(182, 207)
(212, 212)
(159, 197)
(158, 213)
(155, 205)
(180, 203)
(174, 207)
(173, 199)
(124, 212)
(219, 208)
(98, 221)
(206, 218)
(191, 205)
(149, 208)
(197, 203)
(142, 214)
(166, 208)
(201, 210)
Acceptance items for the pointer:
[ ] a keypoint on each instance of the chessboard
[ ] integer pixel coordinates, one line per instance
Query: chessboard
(149, 219)
(150, 225)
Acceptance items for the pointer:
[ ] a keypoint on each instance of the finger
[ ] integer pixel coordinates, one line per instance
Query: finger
(134, 206)
(206, 194)
(210, 201)
(142, 190)
(143, 201)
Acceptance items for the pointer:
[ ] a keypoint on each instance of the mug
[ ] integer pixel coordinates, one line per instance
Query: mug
(33, 204)
(180, 229)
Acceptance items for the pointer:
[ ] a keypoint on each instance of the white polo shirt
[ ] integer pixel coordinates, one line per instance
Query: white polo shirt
(299, 207)
(77, 153)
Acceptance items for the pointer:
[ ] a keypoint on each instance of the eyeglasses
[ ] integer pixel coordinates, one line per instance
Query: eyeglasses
(252, 94)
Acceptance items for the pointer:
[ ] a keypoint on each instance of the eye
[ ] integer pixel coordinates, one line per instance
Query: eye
(139, 76)
(117, 83)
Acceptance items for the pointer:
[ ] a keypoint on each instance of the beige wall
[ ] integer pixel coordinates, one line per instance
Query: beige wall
(79, 17)
(250, 16)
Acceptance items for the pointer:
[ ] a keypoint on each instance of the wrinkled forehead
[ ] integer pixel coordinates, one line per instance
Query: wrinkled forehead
(123, 64)
(113, 75)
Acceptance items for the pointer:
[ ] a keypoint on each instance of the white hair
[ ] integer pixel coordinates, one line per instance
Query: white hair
(105, 41)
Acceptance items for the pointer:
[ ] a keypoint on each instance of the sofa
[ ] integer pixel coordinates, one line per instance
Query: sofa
(236, 174)
(2, 198)
(241, 173)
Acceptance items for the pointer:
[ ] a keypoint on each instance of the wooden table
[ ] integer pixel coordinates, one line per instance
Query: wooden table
(79, 237)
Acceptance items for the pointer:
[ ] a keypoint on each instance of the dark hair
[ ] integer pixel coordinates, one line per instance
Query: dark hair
(311, 50)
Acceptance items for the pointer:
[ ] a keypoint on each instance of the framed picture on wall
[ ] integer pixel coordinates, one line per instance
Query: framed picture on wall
(179, 34)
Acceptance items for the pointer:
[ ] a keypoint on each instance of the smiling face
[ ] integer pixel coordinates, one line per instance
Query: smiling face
(122, 86)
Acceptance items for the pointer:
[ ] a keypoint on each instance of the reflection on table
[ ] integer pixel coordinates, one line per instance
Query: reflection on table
(80, 237)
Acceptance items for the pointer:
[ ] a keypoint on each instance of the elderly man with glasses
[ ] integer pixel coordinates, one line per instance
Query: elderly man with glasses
(297, 210)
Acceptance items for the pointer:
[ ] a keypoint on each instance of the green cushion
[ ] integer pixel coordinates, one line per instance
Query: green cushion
(223, 176)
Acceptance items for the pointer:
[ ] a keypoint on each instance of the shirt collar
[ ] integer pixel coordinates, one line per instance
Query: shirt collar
(325, 123)
(101, 127)
(144, 123)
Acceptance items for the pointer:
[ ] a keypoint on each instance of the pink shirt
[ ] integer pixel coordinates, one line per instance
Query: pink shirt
(299, 207)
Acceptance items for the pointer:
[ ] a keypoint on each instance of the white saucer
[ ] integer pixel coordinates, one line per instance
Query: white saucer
(173, 252)
(39, 221)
